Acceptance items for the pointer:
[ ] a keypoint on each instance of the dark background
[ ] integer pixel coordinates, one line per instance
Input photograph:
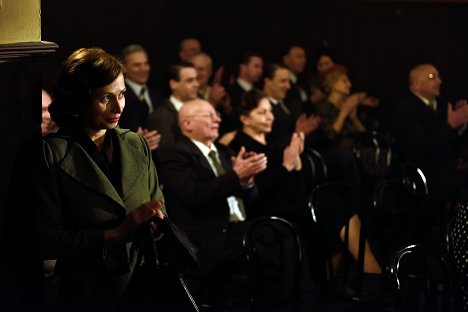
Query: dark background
(378, 40)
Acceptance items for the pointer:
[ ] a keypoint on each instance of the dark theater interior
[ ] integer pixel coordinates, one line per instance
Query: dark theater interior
(303, 156)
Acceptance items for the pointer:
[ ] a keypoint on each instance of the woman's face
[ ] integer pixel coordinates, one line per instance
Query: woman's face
(260, 119)
(342, 85)
(108, 103)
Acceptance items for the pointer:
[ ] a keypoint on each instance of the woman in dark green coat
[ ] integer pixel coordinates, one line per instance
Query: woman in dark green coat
(93, 185)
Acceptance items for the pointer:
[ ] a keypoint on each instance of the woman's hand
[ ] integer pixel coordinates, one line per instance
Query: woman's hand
(307, 124)
(370, 101)
(291, 154)
(134, 220)
(248, 164)
(352, 102)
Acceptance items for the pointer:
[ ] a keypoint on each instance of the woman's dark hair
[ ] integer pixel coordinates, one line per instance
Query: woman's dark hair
(249, 101)
(85, 70)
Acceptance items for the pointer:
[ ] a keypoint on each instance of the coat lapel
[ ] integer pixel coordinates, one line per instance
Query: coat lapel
(133, 165)
(77, 163)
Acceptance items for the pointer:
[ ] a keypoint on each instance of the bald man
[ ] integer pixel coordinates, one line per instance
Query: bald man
(427, 130)
(211, 196)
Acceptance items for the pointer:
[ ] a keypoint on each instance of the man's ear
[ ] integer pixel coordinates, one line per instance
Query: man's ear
(173, 84)
(242, 67)
(187, 124)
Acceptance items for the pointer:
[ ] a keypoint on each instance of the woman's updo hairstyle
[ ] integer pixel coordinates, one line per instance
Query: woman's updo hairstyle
(85, 70)
(331, 76)
(249, 101)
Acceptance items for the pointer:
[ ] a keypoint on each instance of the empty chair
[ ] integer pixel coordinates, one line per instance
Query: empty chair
(423, 279)
(400, 210)
(274, 279)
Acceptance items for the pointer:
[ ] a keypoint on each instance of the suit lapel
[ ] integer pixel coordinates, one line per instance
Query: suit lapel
(224, 157)
(197, 155)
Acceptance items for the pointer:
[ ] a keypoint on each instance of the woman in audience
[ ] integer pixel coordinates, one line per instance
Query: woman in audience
(339, 120)
(340, 126)
(93, 186)
(284, 186)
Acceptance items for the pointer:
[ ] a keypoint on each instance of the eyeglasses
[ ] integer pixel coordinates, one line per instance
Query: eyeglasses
(210, 115)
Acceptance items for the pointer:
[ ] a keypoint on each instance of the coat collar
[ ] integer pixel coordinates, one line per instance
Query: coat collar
(80, 166)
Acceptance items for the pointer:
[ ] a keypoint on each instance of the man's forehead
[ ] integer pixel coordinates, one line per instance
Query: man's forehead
(187, 72)
(428, 70)
(282, 73)
(137, 55)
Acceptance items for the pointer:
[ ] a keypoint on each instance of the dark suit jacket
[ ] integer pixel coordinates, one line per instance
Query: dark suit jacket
(135, 113)
(283, 127)
(165, 119)
(424, 138)
(235, 92)
(196, 197)
(294, 100)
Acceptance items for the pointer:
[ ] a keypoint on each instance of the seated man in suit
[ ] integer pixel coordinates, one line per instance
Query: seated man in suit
(294, 58)
(209, 194)
(250, 72)
(140, 99)
(276, 86)
(184, 85)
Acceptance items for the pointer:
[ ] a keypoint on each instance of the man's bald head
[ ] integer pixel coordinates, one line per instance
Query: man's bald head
(199, 121)
(424, 80)
(190, 108)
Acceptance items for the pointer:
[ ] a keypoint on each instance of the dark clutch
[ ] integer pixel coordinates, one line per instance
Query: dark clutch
(157, 281)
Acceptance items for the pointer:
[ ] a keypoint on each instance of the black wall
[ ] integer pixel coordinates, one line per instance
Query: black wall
(378, 40)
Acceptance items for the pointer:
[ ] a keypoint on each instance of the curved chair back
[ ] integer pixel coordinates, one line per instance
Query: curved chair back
(319, 170)
(375, 154)
(423, 279)
(400, 203)
(414, 179)
(286, 256)
(273, 250)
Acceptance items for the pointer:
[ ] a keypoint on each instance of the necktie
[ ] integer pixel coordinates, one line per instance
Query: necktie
(145, 107)
(237, 212)
(284, 107)
(141, 96)
(214, 158)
